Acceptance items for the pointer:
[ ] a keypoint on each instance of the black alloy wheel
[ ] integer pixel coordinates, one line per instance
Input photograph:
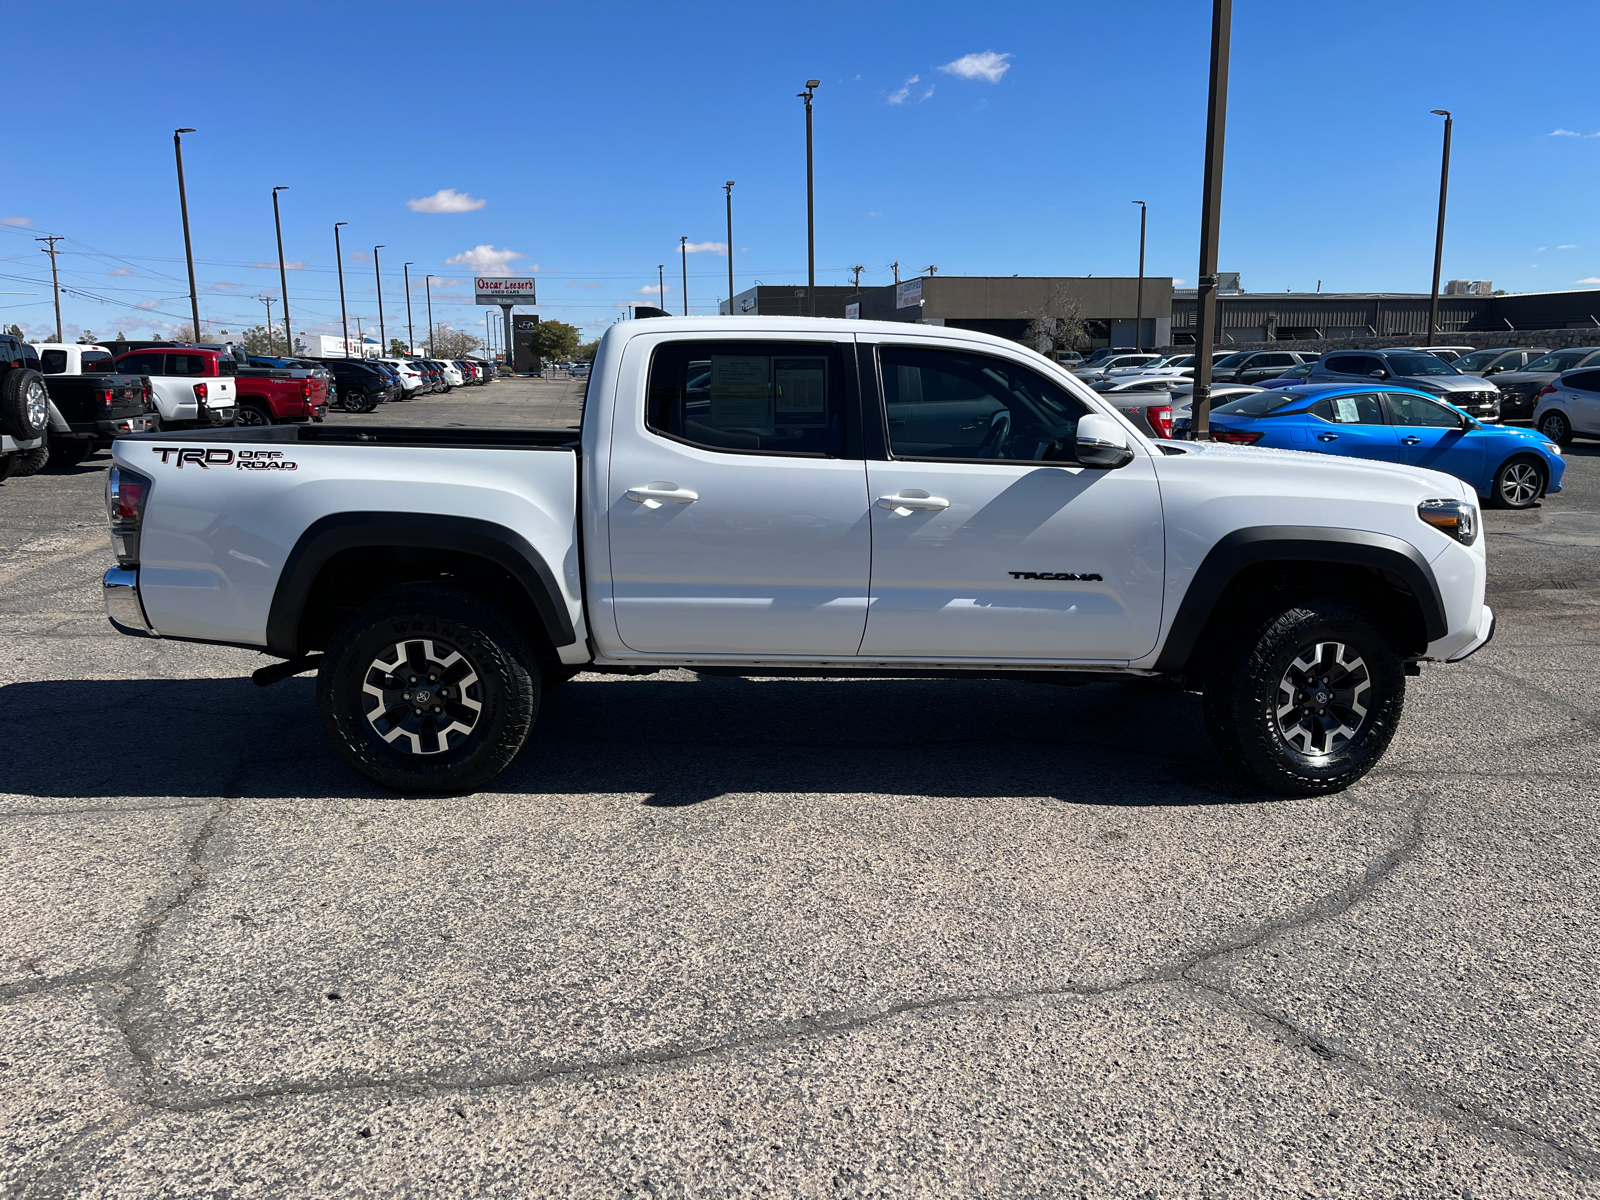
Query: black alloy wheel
(1518, 483)
(1555, 426)
(252, 414)
(1307, 701)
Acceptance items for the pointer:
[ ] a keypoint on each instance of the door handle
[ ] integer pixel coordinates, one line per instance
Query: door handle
(1410, 440)
(1327, 437)
(902, 503)
(654, 495)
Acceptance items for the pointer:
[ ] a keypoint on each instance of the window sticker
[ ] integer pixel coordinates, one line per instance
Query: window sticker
(1345, 410)
(802, 390)
(739, 392)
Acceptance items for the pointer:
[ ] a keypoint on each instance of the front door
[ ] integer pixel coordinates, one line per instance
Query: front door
(737, 525)
(1431, 435)
(989, 542)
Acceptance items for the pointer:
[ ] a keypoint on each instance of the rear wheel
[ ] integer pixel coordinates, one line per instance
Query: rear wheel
(1555, 426)
(31, 462)
(1518, 483)
(69, 452)
(24, 404)
(428, 689)
(1310, 699)
(252, 414)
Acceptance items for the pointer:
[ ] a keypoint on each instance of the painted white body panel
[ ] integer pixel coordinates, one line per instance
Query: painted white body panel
(787, 560)
(174, 395)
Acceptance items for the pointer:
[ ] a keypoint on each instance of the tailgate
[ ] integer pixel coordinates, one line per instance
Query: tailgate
(227, 508)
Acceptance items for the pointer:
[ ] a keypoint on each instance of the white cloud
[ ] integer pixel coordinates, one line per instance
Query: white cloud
(706, 247)
(874, 214)
(224, 286)
(486, 260)
(119, 271)
(446, 200)
(1180, 283)
(1591, 279)
(1568, 246)
(649, 289)
(148, 304)
(1541, 249)
(439, 281)
(359, 256)
(16, 220)
(1562, 133)
(988, 65)
(899, 96)
(298, 264)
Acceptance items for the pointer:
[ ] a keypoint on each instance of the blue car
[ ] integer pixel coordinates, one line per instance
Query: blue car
(1509, 468)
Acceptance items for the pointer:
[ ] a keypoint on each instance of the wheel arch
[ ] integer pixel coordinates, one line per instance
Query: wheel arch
(344, 560)
(1249, 568)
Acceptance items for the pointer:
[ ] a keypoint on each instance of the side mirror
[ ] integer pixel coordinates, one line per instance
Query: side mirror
(1380, 374)
(1494, 370)
(1102, 443)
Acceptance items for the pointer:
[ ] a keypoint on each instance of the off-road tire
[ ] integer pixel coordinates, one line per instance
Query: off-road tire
(69, 452)
(503, 674)
(1518, 483)
(1244, 696)
(31, 462)
(8, 464)
(24, 404)
(1555, 426)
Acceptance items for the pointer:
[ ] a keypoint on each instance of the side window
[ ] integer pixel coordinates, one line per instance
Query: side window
(1420, 411)
(141, 364)
(1341, 364)
(1276, 360)
(96, 360)
(185, 364)
(1583, 381)
(1359, 409)
(52, 362)
(946, 404)
(763, 397)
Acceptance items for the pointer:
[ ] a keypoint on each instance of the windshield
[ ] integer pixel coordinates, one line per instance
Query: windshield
(1233, 360)
(1260, 404)
(1477, 360)
(1419, 364)
(1561, 360)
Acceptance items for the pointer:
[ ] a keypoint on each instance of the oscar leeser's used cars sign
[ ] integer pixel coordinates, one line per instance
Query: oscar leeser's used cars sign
(504, 289)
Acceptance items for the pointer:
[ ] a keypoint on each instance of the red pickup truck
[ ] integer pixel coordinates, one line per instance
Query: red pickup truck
(281, 395)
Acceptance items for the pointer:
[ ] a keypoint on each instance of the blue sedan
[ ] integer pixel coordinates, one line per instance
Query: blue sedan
(1509, 468)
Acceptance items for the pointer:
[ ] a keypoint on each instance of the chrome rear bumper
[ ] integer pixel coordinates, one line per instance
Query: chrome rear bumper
(121, 589)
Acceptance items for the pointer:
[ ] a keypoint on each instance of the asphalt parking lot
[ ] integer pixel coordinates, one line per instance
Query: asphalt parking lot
(723, 937)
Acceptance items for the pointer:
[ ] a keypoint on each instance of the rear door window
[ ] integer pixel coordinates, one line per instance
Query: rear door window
(146, 362)
(750, 397)
(1583, 381)
(186, 364)
(1362, 408)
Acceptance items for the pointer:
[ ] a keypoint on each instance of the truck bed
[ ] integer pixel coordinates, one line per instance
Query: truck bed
(381, 435)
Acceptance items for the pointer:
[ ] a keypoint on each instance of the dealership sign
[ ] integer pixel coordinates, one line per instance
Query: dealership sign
(908, 294)
(504, 290)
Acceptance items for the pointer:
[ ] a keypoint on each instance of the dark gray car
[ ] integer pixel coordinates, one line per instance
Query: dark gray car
(1412, 368)
(1518, 389)
(1497, 361)
(1252, 366)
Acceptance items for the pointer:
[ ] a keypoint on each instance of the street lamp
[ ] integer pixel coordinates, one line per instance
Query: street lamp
(661, 286)
(728, 188)
(1210, 218)
(383, 334)
(283, 276)
(683, 253)
(427, 286)
(1138, 309)
(411, 336)
(1438, 245)
(338, 255)
(811, 224)
(188, 246)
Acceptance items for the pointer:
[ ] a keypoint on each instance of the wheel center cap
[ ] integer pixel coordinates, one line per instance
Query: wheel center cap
(1323, 697)
(421, 696)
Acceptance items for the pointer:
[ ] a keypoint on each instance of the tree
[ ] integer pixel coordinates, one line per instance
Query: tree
(449, 342)
(398, 349)
(588, 350)
(121, 337)
(86, 338)
(555, 340)
(255, 341)
(16, 332)
(1058, 326)
(186, 333)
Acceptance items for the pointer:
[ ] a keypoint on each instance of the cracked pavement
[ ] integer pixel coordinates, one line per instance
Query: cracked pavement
(718, 937)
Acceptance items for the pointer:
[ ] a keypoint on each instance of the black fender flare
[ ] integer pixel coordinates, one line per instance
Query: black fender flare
(334, 534)
(1247, 547)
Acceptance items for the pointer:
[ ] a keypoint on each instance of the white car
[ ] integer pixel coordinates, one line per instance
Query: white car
(411, 379)
(452, 373)
(798, 496)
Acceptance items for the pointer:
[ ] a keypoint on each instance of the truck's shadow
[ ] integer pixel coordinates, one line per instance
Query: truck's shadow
(673, 741)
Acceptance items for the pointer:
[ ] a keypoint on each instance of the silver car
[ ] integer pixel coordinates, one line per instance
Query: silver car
(1411, 368)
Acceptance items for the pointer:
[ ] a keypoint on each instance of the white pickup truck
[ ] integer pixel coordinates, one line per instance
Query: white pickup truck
(789, 497)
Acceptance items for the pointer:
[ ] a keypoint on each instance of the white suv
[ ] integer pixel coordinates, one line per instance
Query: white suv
(410, 378)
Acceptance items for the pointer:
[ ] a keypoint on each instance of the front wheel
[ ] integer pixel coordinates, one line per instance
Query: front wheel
(1555, 426)
(1517, 484)
(428, 689)
(1310, 700)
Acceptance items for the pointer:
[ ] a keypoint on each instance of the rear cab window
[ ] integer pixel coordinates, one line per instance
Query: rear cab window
(52, 362)
(749, 397)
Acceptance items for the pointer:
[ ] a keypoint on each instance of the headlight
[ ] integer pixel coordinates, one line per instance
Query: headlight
(1457, 518)
(1552, 448)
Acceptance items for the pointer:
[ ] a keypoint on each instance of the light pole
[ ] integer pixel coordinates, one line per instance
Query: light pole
(427, 286)
(267, 300)
(728, 188)
(338, 255)
(811, 225)
(361, 338)
(283, 275)
(1438, 245)
(1138, 307)
(411, 336)
(383, 334)
(55, 282)
(683, 253)
(1211, 217)
(188, 246)
(661, 286)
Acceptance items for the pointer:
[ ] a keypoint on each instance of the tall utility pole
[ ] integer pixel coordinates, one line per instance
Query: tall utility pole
(55, 280)
(1211, 217)
(338, 256)
(661, 286)
(188, 246)
(267, 300)
(811, 215)
(728, 188)
(683, 253)
(361, 338)
(1138, 308)
(383, 334)
(856, 271)
(895, 267)
(411, 336)
(283, 275)
(1438, 245)
(427, 287)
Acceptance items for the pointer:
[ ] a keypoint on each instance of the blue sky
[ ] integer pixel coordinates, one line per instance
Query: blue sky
(585, 139)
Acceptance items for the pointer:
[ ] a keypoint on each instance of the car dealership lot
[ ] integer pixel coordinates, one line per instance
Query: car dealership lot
(722, 936)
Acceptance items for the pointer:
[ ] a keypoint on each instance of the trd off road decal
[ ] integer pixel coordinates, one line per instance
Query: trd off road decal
(1067, 575)
(242, 460)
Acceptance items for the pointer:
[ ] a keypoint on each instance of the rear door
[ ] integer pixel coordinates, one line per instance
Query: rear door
(1582, 390)
(737, 516)
(1354, 424)
(994, 544)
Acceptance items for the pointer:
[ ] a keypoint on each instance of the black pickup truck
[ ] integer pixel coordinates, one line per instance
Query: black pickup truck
(89, 403)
